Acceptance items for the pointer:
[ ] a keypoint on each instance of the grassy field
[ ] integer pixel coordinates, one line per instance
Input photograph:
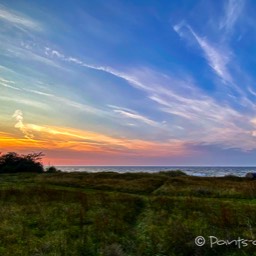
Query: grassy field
(113, 214)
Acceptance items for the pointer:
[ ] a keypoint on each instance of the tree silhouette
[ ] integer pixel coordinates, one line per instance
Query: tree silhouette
(13, 163)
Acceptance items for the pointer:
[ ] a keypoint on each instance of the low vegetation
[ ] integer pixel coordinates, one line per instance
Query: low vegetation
(129, 214)
(111, 214)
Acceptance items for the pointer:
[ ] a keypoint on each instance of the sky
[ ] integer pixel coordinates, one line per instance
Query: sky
(137, 82)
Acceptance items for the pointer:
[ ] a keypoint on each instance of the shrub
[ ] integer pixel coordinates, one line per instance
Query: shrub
(52, 169)
(13, 163)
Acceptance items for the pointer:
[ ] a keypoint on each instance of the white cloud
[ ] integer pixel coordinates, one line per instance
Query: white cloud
(206, 120)
(178, 28)
(52, 53)
(8, 84)
(109, 70)
(220, 59)
(39, 92)
(233, 10)
(28, 102)
(216, 58)
(71, 103)
(134, 115)
(12, 49)
(75, 60)
(18, 115)
(251, 91)
(6, 81)
(17, 19)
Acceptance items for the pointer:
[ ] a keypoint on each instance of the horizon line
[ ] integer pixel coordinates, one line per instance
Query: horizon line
(154, 165)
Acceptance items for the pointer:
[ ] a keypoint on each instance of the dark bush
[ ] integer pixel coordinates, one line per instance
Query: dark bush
(52, 169)
(14, 163)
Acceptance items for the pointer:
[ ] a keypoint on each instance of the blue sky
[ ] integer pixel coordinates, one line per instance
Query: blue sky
(129, 82)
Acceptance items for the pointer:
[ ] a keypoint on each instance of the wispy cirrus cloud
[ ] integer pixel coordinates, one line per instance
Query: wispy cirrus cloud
(252, 91)
(218, 122)
(8, 84)
(233, 10)
(128, 78)
(6, 81)
(216, 57)
(117, 112)
(29, 96)
(70, 103)
(52, 53)
(130, 114)
(14, 50)
(180, 97)
(23, 101)
(39, 92)
(17, 19)
(221, 58)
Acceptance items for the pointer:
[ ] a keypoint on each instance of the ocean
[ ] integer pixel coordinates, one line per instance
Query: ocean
(206, 171)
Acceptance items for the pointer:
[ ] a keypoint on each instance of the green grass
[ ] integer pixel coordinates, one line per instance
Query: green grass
(111, 214)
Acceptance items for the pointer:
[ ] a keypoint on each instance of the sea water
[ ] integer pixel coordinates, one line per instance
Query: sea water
(207, 171)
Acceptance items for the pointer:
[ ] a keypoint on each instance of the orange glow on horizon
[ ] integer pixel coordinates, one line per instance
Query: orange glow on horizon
(51, 138)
